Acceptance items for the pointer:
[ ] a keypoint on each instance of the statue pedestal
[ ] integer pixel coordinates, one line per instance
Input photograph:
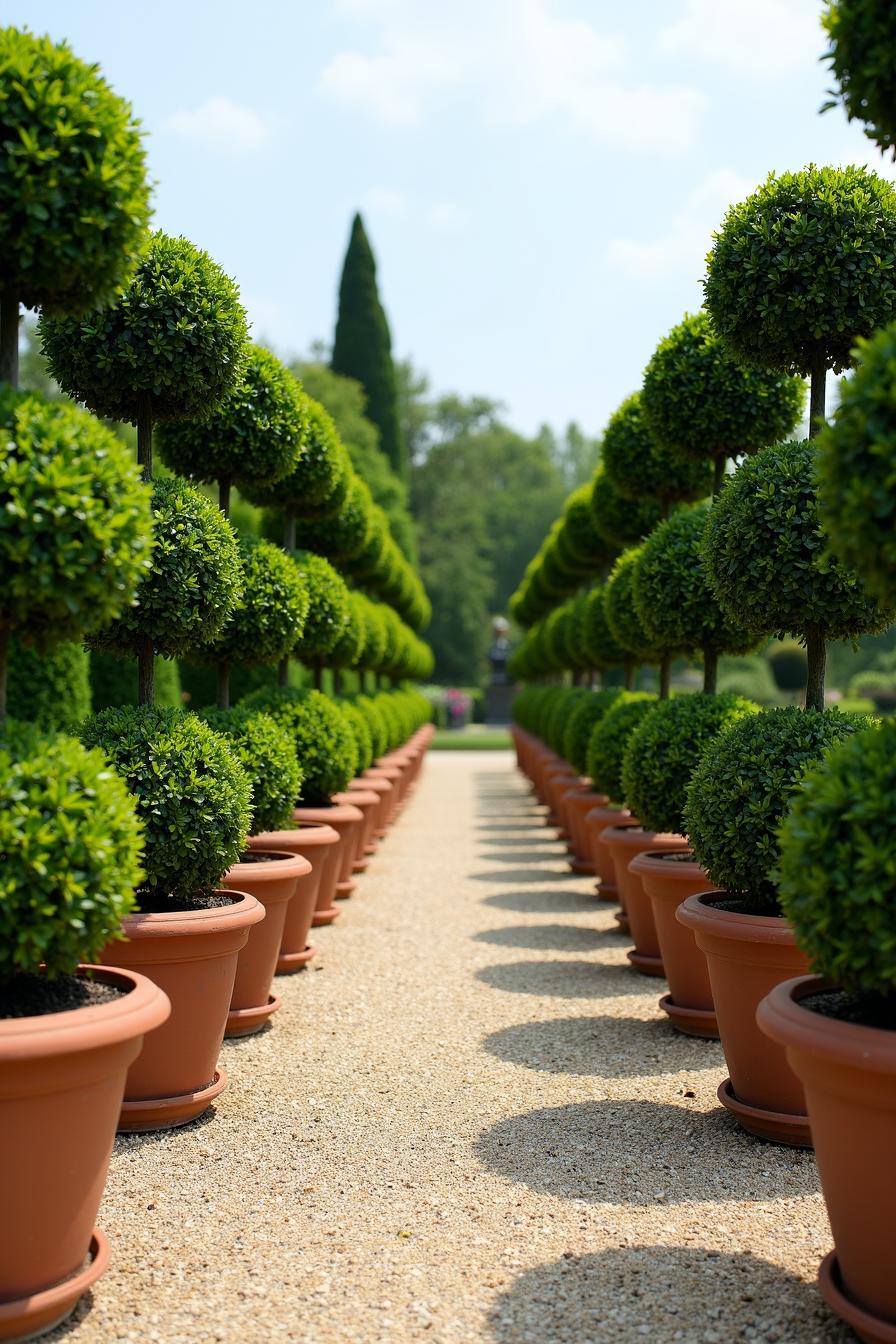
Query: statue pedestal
(498, 700)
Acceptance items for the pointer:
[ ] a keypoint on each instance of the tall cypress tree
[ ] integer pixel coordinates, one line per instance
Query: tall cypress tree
(362, 348)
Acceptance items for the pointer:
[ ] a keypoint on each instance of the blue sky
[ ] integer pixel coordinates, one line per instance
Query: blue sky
(540, 178)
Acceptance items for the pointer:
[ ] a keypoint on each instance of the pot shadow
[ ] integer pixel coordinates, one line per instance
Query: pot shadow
(642, 1153)
(128, 1142)
(661, 1293)
(523, 874)
(546, 902)
(603, 1047)
(563, 979)
(525, 854)
(543, 937)
(513, 824)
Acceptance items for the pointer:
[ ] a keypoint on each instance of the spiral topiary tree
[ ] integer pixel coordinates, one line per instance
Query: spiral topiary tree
(625, 624)
(702, 402)
(764, 554)
(862, 35)
(802, 268)
(74, 196)
(640, 467)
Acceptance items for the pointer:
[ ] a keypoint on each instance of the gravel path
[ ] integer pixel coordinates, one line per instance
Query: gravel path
(468, 1123)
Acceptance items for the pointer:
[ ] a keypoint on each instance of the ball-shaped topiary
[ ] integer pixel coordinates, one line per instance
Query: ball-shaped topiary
(579, 532)
(273, 607)
(319, 479)
(74, 198)
(265, 750)
(803, 266)
(621, 613)
(71, 855)
(51, 690)
(609, 740)
(323, 742)
(360, 726)
(838, 856)
(329, 610)
(376, 724)
(350, 647)
(621, 521)
(195, 581)
(171, 347)
(857, 467)
(568, 697)
(640, 467)
(664, 751)
(701, 401)
(863, 34)
(586, 714)
(764, 552)
(191, 792)
(602, 649)
(375, 634)
(343, 535)
(741, 789)
(255, 436)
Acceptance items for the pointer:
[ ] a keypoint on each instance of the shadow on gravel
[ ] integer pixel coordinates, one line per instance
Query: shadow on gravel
(512, 824)
(543, 937)
(525, 854)
(662, 1293)
(546, 902)
(164, 1137)
(563, 979)
(643, 1153)
(524, 874)
(80, 1316)
(603, 1047)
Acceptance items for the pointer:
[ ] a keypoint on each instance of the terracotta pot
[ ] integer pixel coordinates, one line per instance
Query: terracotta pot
(273, 883)
(747, 955)
(625, 842)
(367, 801)
(558, 779)
(314, 843)
(579, 802)
(399, 779)
(567, 820)
(392, 775)
(596, 822)
(346, 820)
(383, 789)
(849, 1075)
(62, 1077)
(668, 879)
(192, 956)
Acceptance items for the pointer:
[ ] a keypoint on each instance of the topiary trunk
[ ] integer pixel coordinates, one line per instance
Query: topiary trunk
(817, 388)
(710, 671)
(816, 655)
(4, 671)
(665, 673)
(9, 337)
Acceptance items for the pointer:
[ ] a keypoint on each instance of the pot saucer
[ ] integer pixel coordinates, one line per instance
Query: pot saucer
(145, 1116)
(38, 1313)
(246, 1021)
(691, 1021)
(775, 1126)
(361, 865)
(288, 962)
(621, 919)
(606, 891)
(345, 889)
(870, 1329)
(646, 965)
(584, 866)
(325, 917)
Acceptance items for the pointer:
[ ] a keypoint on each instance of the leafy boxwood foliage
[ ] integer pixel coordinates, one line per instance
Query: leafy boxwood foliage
(195, 581)
(343, 535)
(329, 611)
(191, 792)
(579, 532)
(857, 467)
(621, 521)
(319, 480)
(803, 266)
(75, 522)
(375, 635)
(701, 401)
(51, 690)
(561, 712)
(113, 682)
(664, 750)
(273, 607)
(71, 854)
(863, 36)
(358, 722)
(176, 338)
(610, 738)
(639, 467)
(625, 624)
(741, 789)
(602, 649)
(264, 749)
(255, 436)
(764, 551)
(586, 714)
(321, 737)
(838, 856)
(376, 724)
(74, 198)
(351, 646)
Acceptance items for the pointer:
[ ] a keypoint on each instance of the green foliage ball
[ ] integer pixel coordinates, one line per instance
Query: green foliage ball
(609, 740)
(640, 467)
(625, 624)
(585, 716)
(863, 36)
(838, 857)
(579, 531)
(321, 737)
(803, 266)
(175, 340)
(273, 607)
(195, 581)
(567, 699)
(318, 481)
(359, 724)
(343, 535)
(664, 751)
(602, 649)
(191, 792)
(74, 198)
(744, 782)
(329, 611)
(619, 520)
(50, 690)
(265, 750)
(75, 522)
(376, 724)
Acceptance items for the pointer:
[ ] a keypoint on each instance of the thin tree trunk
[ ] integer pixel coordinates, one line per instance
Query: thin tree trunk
(710, 671)
(718, 473)
(224, 495)
(4, 671)
(337, 681)
(816, 656)
(224, 685)
(9, 337)
(289, 532)
(629, 678)
(146, 672)
(144, 435)
(318, 677)
(283, 672)
(817, 386)
(665, 672)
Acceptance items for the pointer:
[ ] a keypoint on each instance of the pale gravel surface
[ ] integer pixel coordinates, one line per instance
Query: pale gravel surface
(469, 1123)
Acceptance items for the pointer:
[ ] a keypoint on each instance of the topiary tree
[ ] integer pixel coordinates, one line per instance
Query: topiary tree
(586, 714)
(318, 482)
(764, 553)
(359, 724)
(329, 610)
(578, 530)
(624, 622)
(621, 521)
(345, 534)
(702, 402)
(838, 855)
(75, 526)
(265, 750)
(803, 267)
(323, 741)
(862, 35)
(665, 749)
(609, 740)
(74, 198)
(191, 794)
(376, 723)
(741, 789)
(673, 597)
(50, 690)
(602, 649)
(640, 467)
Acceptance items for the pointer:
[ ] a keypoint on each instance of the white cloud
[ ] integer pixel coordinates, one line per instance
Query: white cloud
(221, 125)
(519, 60)
(762, 38)
(689, 238)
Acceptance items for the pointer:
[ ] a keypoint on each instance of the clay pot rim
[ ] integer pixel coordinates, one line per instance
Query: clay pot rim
(308, 834)
(334, 811)
(365, 797)
(140, 1009)
(243, 910)
(589, 792)
(378, 784)
(637, 837)
(279, 864)
(782, 1017)
(621, 812)
(700, 915)
(653, 862)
